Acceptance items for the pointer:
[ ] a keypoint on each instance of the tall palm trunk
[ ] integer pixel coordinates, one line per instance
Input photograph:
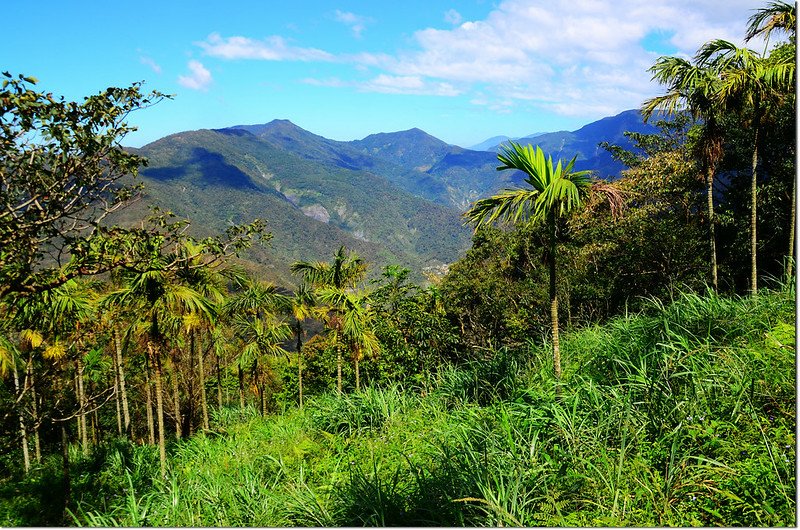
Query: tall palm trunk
(339, 368)
(155, 358)
(358, 376)
(711, 221)
(123, 393)
(151, 429)
(65, 476)
(219, 384)
(753, 202)
(79, 368)
(176, 397)
(116, 396)
(241, 387)
(554, 298)
(31, 383)
(792, 216)
(202, 376)
(299, 330)
(23, 431)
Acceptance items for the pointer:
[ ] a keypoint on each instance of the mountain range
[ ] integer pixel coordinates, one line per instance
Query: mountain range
(392, 197)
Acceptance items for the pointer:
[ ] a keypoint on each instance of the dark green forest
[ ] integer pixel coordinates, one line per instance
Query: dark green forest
(605, 353)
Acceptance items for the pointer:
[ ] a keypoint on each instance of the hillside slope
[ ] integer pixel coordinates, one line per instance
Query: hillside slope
(231, 176)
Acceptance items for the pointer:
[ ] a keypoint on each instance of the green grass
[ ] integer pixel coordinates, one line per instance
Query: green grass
(682, 416)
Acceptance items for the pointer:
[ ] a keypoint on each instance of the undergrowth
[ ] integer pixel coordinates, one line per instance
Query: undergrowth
(681, 416)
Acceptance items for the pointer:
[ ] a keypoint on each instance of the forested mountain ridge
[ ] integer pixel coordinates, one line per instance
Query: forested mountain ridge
(584, 142)
(393, 197)
(216, 178)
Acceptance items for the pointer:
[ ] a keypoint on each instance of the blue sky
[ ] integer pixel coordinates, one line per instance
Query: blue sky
(461, 70)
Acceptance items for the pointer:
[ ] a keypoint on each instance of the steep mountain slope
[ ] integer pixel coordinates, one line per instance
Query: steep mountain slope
(584, 142)
(413, 160)
(392, 197)
(452, 175)
(231, 176)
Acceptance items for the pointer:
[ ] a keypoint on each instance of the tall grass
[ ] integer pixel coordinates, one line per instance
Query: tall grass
(681, 416)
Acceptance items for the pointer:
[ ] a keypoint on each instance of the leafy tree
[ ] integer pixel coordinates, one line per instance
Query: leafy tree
(751, 85)
(554, 192)
(693, 87)
(343, 273)
(62, 171)
(258, 302)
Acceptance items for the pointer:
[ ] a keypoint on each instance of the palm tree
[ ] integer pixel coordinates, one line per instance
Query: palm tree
(260, 337)
(157, 297)
(210, 281)
(257, 302)
(751, 84)
(776, 16)
(779, 17)
(354, 328)
(346, 270)
(52, 322)
(302, 308)
(554, 192)
(693, 87)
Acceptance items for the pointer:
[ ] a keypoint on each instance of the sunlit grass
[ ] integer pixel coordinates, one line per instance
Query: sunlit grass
(681, 416)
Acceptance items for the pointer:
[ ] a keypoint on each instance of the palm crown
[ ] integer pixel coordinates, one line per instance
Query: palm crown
(554, 191)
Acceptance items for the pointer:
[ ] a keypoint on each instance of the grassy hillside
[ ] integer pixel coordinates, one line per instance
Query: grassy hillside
(681, 416)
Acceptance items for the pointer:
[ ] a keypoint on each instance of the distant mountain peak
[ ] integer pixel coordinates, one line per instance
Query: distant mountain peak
(279, 125)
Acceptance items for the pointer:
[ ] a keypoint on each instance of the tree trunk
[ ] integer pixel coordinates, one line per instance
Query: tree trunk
(339, 368)
(23, 431)
(753, 201)
(299, 331)
(358, 375)
(176, 397)
(82, 404)
(712, 240)
(156, 362)
(79, 427)
(65, 472)
(554, 299)
(149, 399)
(123, 393)
(790, 264)
(202, 374)
(241, 387)
(219, 384)
(116, 396)
(31, 383)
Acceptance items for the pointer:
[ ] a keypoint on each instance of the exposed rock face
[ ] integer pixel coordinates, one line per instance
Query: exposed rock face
(317, 211)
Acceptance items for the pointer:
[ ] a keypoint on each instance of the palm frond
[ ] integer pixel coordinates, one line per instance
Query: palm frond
(509, 205)
(775, 16)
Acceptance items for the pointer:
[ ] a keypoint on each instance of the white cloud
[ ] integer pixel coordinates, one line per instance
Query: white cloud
(453, 17)
(389, 84)
(148, 61)
(587, 57)
(198, 79)
(273, 48)
(356, 23)
(567, 55)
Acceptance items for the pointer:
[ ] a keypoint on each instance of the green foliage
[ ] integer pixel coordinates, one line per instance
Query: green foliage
(681, 416)
(62, 171)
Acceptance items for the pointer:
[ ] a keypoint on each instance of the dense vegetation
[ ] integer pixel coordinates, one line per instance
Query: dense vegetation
(684, 415)
(615, 354)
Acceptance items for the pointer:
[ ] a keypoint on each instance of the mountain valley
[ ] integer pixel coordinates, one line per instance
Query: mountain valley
(392, 197)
